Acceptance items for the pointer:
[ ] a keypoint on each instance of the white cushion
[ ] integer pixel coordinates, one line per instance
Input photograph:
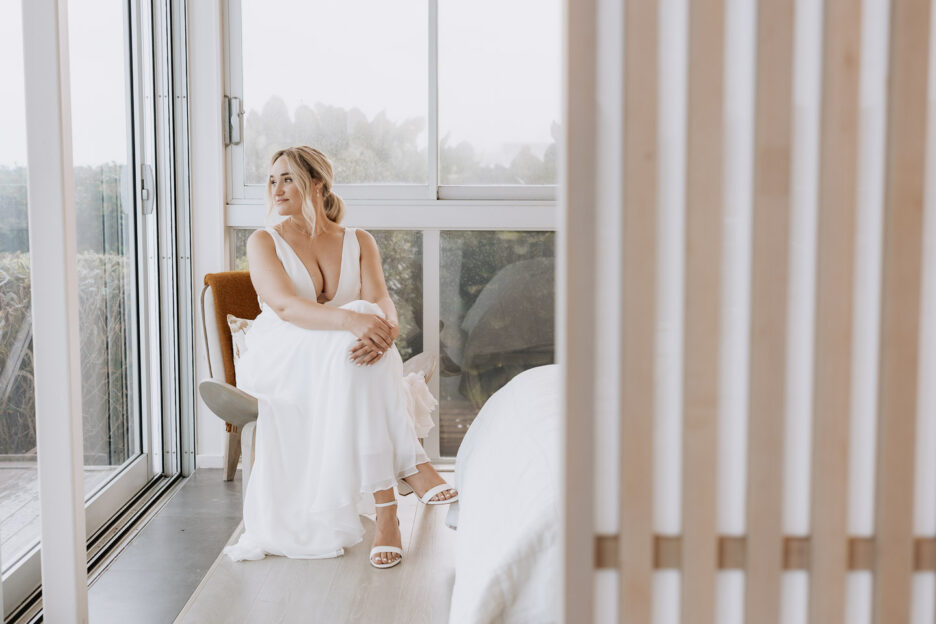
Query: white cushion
(239, 328)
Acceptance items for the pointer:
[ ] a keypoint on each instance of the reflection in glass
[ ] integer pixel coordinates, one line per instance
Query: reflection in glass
(497, 319)
(401, 256)
(348, 78)
(499, 91)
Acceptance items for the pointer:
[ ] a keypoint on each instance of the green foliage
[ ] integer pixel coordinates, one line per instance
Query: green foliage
(459, 165)
(13, 228)
(99, 216)
(17, 410)
(497, 309)
(361, 150)
(379, 150)
(401, 258)
(102, 293)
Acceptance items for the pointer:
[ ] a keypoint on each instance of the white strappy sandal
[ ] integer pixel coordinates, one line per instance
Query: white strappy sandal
(385, 549)
(405, 490)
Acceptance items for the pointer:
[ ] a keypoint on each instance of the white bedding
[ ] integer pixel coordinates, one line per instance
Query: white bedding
(507, 515)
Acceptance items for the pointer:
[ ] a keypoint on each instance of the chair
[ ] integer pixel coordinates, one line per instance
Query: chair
(229, 292)
(232, 292)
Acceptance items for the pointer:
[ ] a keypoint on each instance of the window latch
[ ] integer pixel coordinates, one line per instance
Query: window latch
(147, 184)
(232, 115)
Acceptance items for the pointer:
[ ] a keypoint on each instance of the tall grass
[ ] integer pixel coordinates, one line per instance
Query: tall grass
(105, 382)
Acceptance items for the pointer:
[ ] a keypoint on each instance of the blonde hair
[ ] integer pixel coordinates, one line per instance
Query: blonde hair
(308, 165)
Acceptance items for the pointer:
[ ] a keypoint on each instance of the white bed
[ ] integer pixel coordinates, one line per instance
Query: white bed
(507, 515)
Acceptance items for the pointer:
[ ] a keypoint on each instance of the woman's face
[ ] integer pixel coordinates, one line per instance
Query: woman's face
(285, 191)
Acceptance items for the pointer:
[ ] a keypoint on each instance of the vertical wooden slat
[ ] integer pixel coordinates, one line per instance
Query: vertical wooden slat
(639, 235)
(901, 283)
(704, 222)
(838, 158)
(575, 279)
(769, 279)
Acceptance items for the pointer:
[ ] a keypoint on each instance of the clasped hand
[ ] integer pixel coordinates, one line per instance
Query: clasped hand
(375, 336)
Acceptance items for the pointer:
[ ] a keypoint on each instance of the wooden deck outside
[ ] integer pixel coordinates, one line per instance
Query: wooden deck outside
(19, 504)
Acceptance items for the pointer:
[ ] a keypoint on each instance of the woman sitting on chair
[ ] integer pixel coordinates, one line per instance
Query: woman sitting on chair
(335, 419)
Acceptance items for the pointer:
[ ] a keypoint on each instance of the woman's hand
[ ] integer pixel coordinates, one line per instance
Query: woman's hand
(364, 354)
(371, 330)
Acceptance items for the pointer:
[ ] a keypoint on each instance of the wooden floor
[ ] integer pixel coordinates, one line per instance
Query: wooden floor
(343, 589)
(19, 504)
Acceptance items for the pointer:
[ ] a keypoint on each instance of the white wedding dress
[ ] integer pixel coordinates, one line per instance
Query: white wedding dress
(329, 433)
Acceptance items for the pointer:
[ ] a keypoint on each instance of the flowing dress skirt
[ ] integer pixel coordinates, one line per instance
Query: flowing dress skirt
(329, 433)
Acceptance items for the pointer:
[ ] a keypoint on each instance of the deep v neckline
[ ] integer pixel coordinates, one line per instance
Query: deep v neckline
(344, 241)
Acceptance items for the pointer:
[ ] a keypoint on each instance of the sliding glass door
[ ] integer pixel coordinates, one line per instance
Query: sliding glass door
(112, 89)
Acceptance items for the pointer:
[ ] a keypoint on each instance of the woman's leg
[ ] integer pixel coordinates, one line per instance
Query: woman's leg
(388, 531)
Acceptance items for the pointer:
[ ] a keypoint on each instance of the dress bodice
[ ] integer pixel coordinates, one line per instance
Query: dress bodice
(349, 280)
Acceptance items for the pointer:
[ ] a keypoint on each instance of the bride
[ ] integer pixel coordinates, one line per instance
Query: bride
(336, 420)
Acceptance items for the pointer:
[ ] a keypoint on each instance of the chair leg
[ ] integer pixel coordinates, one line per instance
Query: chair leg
(232, 451)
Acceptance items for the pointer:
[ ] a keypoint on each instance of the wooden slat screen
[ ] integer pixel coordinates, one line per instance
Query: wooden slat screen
(900, 299)
(829, 553)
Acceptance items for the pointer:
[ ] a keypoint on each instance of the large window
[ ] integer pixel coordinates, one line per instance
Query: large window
(497, 313)
(311, 76)
(431, 99)
(18, 509)
(103, 154)
(497, 319)
(498, 92)
(442, 121)
(105, 227)
(117, 64)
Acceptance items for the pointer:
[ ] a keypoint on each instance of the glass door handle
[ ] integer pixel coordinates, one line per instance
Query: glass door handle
(147, 184)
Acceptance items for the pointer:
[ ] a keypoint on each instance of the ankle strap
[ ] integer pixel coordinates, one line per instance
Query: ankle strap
(393, 502)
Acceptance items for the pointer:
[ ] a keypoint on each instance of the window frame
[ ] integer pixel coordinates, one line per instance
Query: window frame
(156, 73)
(429, 208)
(238, 191)
(431, 277)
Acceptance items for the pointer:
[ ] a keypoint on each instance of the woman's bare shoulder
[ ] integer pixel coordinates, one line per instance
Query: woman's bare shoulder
(365, 239)
(261, 237)
(260, 243)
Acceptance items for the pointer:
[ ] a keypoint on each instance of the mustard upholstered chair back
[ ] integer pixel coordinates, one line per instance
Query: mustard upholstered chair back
(229, 292)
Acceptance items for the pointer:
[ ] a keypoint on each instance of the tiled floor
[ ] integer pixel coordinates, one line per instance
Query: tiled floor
(153, 577)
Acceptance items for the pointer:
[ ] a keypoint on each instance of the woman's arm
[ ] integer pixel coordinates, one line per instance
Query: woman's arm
(373, 288)
(373, 285)
(271, 282)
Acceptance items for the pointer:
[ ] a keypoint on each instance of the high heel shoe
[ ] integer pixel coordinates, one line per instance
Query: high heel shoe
(386, 549)
(406, 489)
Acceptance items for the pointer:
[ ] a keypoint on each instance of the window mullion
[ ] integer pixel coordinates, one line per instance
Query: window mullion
(432, 146)
(431, 313)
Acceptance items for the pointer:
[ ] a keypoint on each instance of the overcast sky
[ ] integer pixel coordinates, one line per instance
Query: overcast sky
(498, 67)
(96, 42)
